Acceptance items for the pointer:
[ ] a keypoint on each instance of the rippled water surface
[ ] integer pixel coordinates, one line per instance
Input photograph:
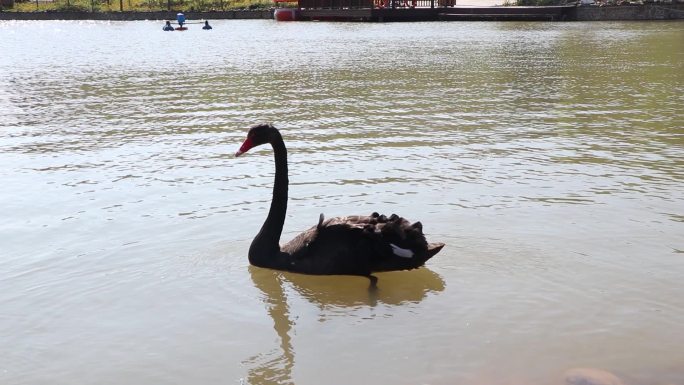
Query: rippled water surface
(549, 158)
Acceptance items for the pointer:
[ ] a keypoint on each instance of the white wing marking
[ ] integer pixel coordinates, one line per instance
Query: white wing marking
(400, 252)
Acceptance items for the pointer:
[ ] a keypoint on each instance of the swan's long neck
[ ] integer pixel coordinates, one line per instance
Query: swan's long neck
(265, 248)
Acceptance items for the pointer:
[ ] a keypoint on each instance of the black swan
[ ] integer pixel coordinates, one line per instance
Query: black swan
(352, 245)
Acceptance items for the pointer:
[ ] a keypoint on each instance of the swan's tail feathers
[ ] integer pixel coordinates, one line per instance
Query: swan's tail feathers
(433, 248)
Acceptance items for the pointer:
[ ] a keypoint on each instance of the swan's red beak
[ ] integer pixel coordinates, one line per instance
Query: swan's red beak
(245, 147)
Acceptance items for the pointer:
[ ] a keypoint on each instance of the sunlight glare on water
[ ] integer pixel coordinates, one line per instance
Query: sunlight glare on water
(549, 158)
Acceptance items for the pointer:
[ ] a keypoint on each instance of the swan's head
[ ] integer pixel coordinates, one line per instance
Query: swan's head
(256, 136)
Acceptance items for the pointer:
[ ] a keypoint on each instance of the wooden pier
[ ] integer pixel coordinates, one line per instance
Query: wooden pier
(422, 10)
(440, 14)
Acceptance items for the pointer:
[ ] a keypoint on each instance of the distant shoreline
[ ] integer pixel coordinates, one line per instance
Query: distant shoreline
(651, 11)
(136, 15)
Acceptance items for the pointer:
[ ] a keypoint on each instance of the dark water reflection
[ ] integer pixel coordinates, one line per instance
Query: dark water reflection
(276, 370)
(331, 294)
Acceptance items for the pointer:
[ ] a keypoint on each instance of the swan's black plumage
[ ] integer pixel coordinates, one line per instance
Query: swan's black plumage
(353, 245)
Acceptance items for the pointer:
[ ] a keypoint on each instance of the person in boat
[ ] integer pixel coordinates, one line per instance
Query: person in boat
(180, 18)
(168, 26)
(206, 25)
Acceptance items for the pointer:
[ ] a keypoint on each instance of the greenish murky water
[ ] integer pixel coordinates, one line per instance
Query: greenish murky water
(548, 156)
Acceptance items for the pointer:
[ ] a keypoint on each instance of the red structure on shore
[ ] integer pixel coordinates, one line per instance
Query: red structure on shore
(410, 10)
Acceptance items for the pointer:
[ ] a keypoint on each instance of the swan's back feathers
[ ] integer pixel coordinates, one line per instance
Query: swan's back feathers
(360, 245)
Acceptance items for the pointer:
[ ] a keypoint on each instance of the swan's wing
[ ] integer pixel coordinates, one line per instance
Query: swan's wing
(360, 245)
(329, 249)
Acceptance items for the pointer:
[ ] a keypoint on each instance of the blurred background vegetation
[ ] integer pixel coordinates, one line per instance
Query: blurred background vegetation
(132, 5)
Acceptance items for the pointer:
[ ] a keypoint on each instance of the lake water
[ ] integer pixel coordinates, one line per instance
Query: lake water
(549, 157)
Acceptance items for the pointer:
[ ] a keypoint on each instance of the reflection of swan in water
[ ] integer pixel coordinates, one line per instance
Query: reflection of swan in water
(276, 370)
(395, 289)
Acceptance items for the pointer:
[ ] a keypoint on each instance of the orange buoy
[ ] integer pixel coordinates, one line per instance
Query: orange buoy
(285, 14)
